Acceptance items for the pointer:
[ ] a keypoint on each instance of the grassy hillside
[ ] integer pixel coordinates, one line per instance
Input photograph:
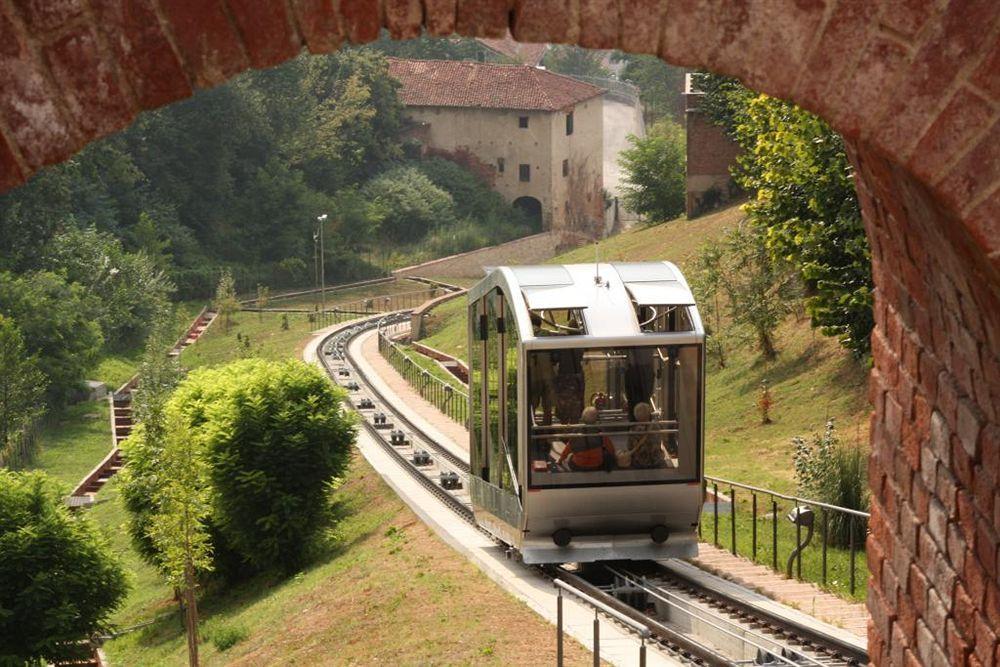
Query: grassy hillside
(811, 380)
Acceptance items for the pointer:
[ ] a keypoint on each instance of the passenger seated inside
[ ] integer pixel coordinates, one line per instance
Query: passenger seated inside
(589, 452)
(645, 449)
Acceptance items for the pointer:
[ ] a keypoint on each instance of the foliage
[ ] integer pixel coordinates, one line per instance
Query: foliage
(54, 318)
(22, 386)
(659, 84)
(756, 289)
(433, 48)
(59, 581)
(159, 374)
(832, 472)
(654, 172)
(411, 204)
(130, 291)
(235, 174)
(796, 168)
(764, 403)
(225, 302)
(273, 437)
(227, 636)
(575, 61)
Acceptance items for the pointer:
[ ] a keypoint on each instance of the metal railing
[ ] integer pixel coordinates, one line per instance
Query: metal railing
(776, 527)
(444, 396)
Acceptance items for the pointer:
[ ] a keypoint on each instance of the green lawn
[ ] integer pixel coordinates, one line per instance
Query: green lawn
(344, 296)
(268, 339)
(72, 442)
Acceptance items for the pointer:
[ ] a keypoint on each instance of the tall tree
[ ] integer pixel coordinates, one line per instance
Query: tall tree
(575, 61)
(22, 386)
(802, 185)
(178, 526)
(55, 318)
(660, 86)
(653, 167)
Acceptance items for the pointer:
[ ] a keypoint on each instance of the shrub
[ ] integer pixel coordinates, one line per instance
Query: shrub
(59, 580)
(837, 474)
(227, 636)
(273, 436)
(410, 203)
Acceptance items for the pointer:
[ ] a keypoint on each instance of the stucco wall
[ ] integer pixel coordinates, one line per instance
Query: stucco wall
(491, 135)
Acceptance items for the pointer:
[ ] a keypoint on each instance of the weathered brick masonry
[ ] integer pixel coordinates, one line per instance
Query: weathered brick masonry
(914, 86)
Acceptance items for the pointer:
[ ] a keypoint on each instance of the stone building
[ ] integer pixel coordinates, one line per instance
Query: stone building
(535, 135)
(710, 154)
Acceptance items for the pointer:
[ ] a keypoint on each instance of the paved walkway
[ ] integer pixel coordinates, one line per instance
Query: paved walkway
(800, 595)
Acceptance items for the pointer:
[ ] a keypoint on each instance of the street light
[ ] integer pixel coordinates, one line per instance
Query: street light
(322, 268)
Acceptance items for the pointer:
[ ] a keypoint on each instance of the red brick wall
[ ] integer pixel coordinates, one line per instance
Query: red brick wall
(914, 88)
(710, 154)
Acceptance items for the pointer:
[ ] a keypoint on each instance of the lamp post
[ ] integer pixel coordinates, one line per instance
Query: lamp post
(322, 269)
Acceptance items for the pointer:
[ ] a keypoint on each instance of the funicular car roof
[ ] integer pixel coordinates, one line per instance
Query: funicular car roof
(604, 293)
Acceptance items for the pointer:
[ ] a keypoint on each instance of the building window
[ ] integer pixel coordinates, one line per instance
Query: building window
(522, 121)
(500, 164)
(565, 167)
(569, 123)
(524, 173)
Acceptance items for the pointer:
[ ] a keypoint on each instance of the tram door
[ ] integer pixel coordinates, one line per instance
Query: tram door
(493, 361)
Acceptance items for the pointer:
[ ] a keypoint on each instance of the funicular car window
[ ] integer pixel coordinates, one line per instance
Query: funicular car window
(614, 415)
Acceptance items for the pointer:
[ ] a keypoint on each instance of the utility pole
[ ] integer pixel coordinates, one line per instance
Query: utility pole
(322, 268)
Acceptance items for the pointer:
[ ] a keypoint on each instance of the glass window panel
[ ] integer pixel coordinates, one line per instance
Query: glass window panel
(614, 415)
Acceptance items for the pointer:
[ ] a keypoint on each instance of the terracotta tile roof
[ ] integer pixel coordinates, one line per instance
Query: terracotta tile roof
(529, 54)
(459, 83)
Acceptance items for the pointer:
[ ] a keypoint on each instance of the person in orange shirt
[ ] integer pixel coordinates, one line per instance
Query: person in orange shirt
(590, 452)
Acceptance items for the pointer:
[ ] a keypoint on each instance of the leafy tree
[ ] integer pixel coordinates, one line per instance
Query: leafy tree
(22, 386)
(54, 317)
(225, 302)
(159, 374)
(660, 85)
(273, 437)
(59, 581)
(129, 291)
(802, 185)
(433, 48)
(756, 289)
(654, 172)
(575, 61)
(411, 204)
(178, 526)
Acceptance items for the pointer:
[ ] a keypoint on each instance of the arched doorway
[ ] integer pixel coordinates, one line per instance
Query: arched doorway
(532, 209)
(913, 87)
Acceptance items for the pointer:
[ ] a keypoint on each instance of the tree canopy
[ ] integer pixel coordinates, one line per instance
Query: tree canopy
(803, 200)
(59, 581)
(653, 167)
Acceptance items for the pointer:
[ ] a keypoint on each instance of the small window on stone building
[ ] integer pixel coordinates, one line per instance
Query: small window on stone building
(565, 167)
(522, 121)
(500, 164)
(524, 173)
(569, 123)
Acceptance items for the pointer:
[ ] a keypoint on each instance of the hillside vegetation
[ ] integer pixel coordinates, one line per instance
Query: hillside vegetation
(811, 380)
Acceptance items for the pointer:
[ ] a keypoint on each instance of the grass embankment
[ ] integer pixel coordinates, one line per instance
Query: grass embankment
(343, 296)
(386, 591)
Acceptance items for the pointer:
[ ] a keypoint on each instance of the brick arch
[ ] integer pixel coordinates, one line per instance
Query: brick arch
(914, 87)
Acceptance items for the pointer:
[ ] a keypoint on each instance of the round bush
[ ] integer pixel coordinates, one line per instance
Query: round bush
(59, 581)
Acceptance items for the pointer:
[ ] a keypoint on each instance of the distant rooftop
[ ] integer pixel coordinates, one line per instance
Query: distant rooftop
(455, 83)
(528, 54)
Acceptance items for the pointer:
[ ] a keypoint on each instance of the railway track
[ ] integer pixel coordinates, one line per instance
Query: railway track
(689, 621)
